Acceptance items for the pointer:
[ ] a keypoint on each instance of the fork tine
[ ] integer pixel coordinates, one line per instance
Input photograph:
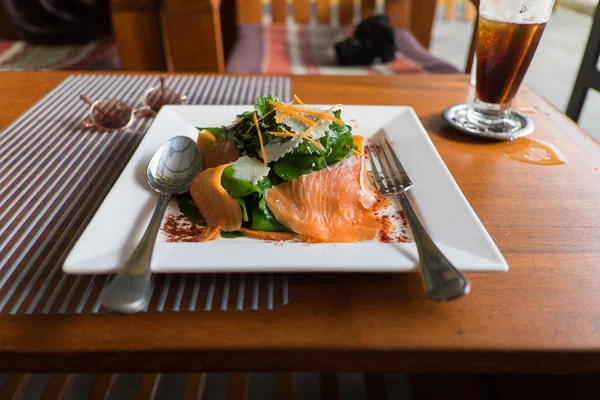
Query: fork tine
(385, 167)
(403, 175)
(392, 176)
(380, 186)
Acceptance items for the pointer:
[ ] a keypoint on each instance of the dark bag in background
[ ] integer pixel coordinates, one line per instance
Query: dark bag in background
(373, 42)
(59, 21)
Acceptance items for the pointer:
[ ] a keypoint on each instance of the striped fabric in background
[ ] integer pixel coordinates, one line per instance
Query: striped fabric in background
(309, 49)
(335, 11)
(97, 55)
(54, 175)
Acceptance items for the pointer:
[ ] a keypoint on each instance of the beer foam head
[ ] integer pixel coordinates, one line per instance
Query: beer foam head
(517, 11)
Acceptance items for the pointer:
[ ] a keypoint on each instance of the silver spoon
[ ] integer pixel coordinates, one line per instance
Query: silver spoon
(170, 171)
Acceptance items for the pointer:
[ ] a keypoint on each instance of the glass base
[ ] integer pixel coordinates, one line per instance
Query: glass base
(493, 124)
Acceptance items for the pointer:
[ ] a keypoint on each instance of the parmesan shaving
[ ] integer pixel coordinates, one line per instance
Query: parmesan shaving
(249, 169)
(276, 150)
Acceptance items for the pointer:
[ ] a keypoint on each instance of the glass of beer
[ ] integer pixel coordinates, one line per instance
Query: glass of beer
(508, 35)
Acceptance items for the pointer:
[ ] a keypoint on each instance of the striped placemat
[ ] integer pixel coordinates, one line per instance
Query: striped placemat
(54, 174)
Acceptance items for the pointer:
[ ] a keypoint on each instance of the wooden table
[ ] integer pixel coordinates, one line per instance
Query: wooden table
(541, 316)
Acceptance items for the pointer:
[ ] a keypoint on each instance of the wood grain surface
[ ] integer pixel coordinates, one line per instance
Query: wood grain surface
(541, 316)
(137, 32)
(192, 36)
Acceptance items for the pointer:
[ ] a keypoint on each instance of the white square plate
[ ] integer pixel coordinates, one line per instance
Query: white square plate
(119, 223)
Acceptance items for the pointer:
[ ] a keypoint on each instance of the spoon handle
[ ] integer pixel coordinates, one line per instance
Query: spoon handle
(130, 289)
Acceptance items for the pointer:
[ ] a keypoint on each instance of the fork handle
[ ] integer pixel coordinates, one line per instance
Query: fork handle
(441, 279)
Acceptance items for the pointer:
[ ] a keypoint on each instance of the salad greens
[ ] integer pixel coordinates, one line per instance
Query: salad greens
(187, 208)
(335, 145)
(291, 166)
(252, 197)
(337, 142)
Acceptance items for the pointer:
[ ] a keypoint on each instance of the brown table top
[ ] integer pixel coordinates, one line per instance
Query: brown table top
(538, 317)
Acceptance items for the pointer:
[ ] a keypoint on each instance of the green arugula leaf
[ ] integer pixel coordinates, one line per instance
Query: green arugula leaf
(242, 203)
(262, 105)
(188, 208)
(264, 220)
(231, 235)
(274, 178)
(237, 187)
(338, 142)
(246, 114)
(307, 147)
(244, 134)
(251, 198)
(291, 166)
(264, 184)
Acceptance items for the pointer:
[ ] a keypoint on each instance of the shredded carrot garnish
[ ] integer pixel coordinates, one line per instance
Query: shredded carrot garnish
(265, 115)
(288, 108)
(309, 130)
(298, 100)
(209, 233)
(299, 135)
(204, 237)
(282, 116)
(268, 235)
(262, 145)
(319, 121)
(317, 144)
(314, 112)
(324, 116)
(269, 113)
(215, 234)
(358, 153)
(330, 109)
(285, 134)
(301, 117)
(260, 119)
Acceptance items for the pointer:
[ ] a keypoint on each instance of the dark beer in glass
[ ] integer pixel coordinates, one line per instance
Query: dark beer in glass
(509, 32)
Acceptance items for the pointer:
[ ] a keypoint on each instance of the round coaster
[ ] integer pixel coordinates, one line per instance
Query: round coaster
(457, 117)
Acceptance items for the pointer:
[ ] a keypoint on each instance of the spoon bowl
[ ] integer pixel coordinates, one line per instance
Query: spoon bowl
(174, 166)
(170, 171)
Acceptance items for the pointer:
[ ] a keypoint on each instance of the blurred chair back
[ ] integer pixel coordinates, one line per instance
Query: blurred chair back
(137, 31)
(589, 75)
(334, 12)
(196, 35)
(8, 31)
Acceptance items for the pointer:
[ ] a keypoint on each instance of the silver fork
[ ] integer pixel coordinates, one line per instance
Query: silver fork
(441, 279)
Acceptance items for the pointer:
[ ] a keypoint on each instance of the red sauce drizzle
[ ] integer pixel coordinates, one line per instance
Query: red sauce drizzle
(178, 228)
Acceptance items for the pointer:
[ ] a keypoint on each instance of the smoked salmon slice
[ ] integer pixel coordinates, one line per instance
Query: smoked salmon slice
(214, 152)
(217, 207)
(330, 205)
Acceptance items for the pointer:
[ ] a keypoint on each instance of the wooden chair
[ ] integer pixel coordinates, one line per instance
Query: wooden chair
(137, 31)
(470, 13)
(588, 76)
(198, 35)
